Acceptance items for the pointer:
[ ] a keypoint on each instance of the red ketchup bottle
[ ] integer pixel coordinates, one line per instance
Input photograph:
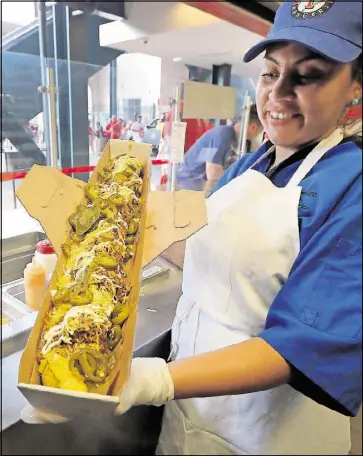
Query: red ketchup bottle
(45, 256)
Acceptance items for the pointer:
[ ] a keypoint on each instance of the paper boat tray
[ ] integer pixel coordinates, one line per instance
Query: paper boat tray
(50, 197)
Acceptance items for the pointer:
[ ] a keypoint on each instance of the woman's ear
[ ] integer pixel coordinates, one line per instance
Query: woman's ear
(357, 93)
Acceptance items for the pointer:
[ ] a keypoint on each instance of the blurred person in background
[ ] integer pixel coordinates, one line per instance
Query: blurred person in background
(99, 138)
(113, 128)
(208, 157)
(160, 128)
(137, 129)
(91, 137)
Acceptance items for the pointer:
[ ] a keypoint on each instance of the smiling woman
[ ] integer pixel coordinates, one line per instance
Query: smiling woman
(302, 96)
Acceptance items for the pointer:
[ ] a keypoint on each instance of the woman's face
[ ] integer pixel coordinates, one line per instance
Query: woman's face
(302, 96)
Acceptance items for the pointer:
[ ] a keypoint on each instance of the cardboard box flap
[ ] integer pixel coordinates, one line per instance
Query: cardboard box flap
(50, 197)
(172, 217)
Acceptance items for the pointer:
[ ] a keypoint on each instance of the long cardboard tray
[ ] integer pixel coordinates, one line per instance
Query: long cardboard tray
(50, 197)
(54, 219)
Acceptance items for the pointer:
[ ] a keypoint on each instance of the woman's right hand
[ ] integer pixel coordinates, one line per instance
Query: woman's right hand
(150, 383)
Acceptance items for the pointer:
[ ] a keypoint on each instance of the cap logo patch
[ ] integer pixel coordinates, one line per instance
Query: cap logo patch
(309, 10)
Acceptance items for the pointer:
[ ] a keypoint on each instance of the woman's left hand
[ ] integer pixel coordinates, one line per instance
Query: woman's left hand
(150, 383)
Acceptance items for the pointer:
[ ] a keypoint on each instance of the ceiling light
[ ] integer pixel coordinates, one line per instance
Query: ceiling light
(177, 59)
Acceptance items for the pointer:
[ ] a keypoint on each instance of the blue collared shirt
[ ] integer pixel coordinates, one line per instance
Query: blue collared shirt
(315, 322)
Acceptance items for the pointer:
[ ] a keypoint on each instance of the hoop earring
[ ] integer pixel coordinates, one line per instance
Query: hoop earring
(354, 102)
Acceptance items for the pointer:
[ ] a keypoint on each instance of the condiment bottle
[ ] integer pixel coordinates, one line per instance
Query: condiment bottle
(34, 284)
(45, 256)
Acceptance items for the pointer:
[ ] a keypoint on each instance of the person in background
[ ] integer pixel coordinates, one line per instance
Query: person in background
(160, 128)
(113, 128)
(99, 136)
(91, 137)
(107, 130)
(99, 130)
(206, 160)
(116, 129)
(254, 130)
(123, 127)
(137, 129)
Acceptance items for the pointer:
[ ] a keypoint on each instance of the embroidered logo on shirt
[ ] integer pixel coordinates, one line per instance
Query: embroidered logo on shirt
(309, 10)
(304, 194)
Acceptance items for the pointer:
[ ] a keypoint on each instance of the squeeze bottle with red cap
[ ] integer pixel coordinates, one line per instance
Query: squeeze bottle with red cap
(45, 256)
(34, 284)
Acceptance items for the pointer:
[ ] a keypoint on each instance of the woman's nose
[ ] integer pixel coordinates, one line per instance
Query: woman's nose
(282, 90)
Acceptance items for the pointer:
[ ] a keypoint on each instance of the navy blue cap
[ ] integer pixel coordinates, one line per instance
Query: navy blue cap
(332, 28)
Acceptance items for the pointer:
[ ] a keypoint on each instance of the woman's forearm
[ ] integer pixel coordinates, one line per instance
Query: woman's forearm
(243, 368)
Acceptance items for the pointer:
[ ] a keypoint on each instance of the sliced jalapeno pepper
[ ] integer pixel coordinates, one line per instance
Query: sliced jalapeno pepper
(104, 176)
(120, 178)
(116, 310)
(102, 368)
(61, 296)
(101, 203)
(66, 249)
(114, 336)
(72, 219)
(129, 239)
(121, 317)
(117, 200)
(76, 237)
(92, 191)
(80, 297)
(86, 219)
(129, 252)
(75, 366)
(89, 367)
(106, 261)
(89, 271)
(109, 212)
(133, 226)
(108, 235)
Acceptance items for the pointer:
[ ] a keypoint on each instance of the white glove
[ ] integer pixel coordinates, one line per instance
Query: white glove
(31, 415)
(150, 383)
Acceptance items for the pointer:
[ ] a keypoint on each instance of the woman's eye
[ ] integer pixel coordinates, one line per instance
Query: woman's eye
(269, 76)
(305, 79)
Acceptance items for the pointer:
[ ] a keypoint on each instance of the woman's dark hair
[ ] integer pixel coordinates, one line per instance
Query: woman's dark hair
(357, 69)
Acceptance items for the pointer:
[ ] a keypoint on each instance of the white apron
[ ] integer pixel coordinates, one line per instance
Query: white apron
(234, 267)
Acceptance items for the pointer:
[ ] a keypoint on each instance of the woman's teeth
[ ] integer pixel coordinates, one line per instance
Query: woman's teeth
(280, 115)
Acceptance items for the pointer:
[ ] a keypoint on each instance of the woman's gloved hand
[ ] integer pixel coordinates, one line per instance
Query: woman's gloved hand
(150, 383)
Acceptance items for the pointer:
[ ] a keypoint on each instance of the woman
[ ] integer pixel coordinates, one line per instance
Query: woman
(266, 343)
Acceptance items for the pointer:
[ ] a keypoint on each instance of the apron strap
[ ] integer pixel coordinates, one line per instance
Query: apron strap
(314, 156)
(266, 154)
